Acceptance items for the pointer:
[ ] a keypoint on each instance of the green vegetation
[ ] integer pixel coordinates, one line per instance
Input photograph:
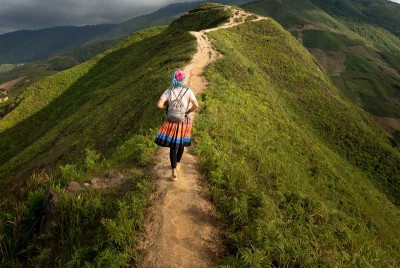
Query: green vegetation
(78, 55)
(382, 13)
(64, 60)
(93, 120)
(386, 43)
(327, 40)
(371, 77)
(291, 12)
(46, 103)
(205, 7)
(27, 46)
(198, 20)
(301, 183)
(308, 180)
(163, 16)
(33, 72)
(97, 226)
(251, 17)
(6, 67)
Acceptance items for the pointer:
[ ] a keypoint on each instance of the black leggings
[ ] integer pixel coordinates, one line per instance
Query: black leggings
(175, 155)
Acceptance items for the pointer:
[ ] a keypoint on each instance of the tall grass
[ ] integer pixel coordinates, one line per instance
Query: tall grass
(371, 77)
(95, 119)
(289, 160)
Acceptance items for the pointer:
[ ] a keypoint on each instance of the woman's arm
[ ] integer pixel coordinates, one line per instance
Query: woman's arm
(195, 105)
(160, 104)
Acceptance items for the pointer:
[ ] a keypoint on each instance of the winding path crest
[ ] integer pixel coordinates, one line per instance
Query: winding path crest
(182, 228)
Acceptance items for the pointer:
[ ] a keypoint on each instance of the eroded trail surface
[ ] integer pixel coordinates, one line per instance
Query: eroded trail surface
(182, 229)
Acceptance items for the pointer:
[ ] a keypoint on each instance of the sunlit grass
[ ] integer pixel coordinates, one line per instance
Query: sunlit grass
(285, 157)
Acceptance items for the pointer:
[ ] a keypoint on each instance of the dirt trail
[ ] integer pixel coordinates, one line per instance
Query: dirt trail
(182, 229)
(8, 85)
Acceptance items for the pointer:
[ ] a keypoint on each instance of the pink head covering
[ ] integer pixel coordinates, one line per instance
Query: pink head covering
(178, 78)
(179, 75)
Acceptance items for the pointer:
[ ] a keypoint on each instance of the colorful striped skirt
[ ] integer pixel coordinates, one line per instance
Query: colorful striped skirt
(172, 134)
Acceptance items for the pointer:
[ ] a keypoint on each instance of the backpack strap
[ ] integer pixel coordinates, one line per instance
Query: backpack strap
(179, 95)
(187, 108)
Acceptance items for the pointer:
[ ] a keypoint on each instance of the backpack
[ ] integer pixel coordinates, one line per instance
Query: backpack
(177, 111)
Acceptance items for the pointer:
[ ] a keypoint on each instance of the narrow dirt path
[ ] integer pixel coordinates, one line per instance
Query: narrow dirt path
(182, 229)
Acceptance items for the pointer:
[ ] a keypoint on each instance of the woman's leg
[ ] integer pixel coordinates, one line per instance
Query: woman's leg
(173, 157)
(179, 154)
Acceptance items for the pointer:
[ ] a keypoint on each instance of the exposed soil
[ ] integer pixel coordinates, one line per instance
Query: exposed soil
(111, 180)
(391, 125)
(300, 30)
(331, 61)
(182, 227)
(11, 83)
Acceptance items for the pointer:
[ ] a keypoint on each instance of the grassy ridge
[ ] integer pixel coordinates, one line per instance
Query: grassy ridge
(382, 13)
(96, 119)
(28, 46)
(371, 77)
(68, 111)
(301, 182)
(6, 67)
(291, 12)
(97, 227)
(91, 105)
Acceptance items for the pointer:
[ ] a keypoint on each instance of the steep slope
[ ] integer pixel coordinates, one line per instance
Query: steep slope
(83, 51)
(89, 126)
(362, 59)
(163, 16)
(182, 226)
(27, 46)
(382, 13)
(301, 176)
(296, 170)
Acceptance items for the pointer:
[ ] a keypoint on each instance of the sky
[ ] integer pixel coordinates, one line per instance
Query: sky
(37, 14)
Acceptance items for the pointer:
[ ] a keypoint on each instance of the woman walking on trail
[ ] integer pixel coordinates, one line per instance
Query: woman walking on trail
(177, 127)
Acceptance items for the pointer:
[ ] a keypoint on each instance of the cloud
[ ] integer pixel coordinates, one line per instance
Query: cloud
(36, 14)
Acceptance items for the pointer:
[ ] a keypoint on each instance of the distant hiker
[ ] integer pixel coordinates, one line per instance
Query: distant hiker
(176, 131)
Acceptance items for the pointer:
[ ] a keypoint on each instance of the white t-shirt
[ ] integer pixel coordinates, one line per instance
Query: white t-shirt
(186, 99)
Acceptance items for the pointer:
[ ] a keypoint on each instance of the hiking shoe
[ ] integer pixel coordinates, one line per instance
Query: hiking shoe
(174, 176)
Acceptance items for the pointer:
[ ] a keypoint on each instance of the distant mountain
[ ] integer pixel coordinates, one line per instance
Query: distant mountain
(354, 42)
(85, 49)
(163, 16)
(300, 175)
(32, 45)
(382, 13)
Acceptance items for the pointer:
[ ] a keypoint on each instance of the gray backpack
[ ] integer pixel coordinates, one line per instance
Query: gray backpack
(177, 111)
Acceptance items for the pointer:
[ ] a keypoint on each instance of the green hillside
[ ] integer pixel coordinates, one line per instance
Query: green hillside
(163, 16)
(6, 67)
(382, 13)
(361, 58)
(27, 46)
(95, 119)
(82, 50)
(301, 176)
(301, 182)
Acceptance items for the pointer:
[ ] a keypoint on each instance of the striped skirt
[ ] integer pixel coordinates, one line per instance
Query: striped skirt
(172, 134)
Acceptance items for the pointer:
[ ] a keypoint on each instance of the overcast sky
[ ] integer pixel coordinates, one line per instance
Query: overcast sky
(37, 14)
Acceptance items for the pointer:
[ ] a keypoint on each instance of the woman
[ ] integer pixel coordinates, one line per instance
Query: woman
(176, 135)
